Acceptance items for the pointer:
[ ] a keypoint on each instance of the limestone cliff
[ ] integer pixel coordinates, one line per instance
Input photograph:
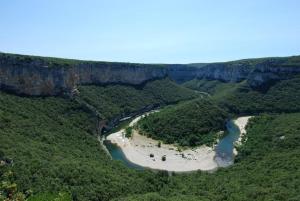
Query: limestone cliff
(51, 76)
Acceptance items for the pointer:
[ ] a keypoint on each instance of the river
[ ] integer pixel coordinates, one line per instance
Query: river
(224, 149)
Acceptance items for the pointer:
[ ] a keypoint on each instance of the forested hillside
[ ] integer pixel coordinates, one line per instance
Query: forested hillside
(267, 168)
(214, 88)
(283, 96)
(49, 148)
(113, 100)
(190, 123)
(240, 98)
(51, 145)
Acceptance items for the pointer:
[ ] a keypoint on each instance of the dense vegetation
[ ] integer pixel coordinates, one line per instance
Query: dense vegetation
(54, 154)
(53, 146)
(113, 100)
(49, 149)
(267, 168)
(190, 123)
(240, 98)
(282, 96)
(251, 63)
(52, 142)
(53, 62)
(214, 88)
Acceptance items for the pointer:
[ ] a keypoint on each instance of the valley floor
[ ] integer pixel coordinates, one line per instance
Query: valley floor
(138, 149)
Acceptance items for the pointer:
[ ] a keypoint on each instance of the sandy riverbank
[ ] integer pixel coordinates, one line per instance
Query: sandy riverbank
(241, 122)
(138, 149)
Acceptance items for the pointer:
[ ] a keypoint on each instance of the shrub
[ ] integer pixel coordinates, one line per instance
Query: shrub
(128, 132)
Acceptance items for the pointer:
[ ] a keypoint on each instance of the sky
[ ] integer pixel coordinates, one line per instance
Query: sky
(151, 31)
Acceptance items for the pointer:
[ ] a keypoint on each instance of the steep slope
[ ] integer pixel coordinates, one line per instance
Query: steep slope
(50, 144)
(52, 147)
(122, 100)
(52, 76)
(52, 141)
(214, 88)
(283, 96)
(241, 98)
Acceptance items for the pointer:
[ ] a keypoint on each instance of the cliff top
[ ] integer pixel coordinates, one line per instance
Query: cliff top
(270, 61)
(52, 62)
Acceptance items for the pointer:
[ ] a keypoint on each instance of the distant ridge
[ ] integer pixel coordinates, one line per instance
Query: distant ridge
(35, 75)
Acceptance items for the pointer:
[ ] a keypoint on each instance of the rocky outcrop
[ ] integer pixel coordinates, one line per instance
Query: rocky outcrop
(105, 73)
(35, 76)
(31, 80)
(50, 76)
(225, 72)
(267, 73)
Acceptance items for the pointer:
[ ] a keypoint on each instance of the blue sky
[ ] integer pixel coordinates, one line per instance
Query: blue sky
(151, 31)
